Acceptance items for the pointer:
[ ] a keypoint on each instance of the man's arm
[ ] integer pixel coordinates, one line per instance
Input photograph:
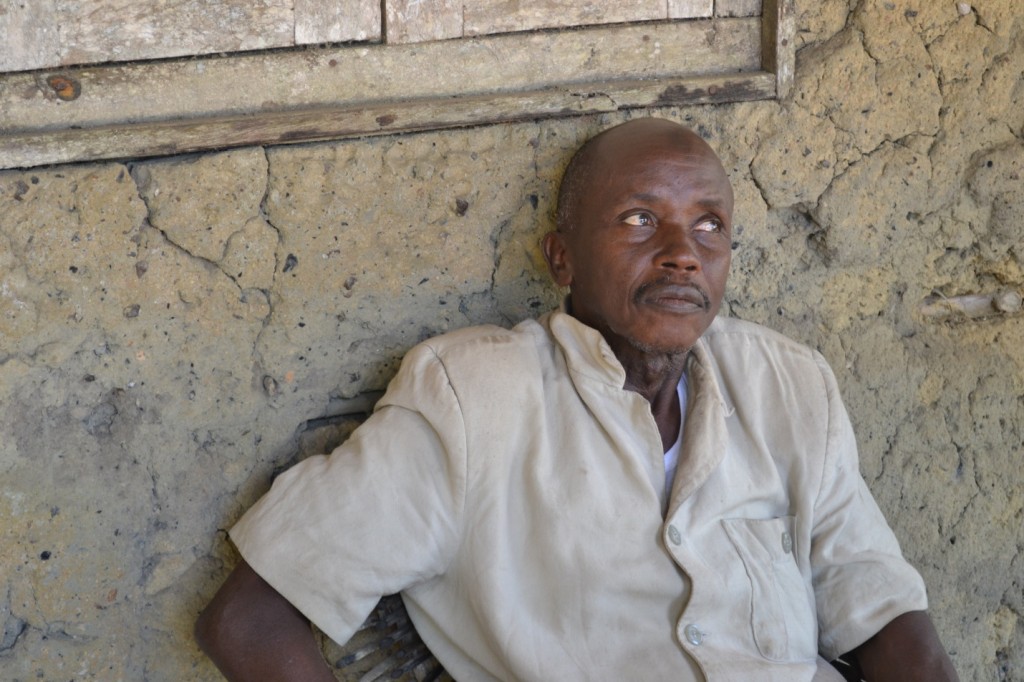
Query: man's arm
(253, 633)
(906, 650)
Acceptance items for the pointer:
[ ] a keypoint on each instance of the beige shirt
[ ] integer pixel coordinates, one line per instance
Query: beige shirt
(511, 488)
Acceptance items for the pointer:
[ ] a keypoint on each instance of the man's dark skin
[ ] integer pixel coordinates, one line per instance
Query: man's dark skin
(644, 245)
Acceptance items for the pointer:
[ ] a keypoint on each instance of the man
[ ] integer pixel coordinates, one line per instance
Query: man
(624, 489)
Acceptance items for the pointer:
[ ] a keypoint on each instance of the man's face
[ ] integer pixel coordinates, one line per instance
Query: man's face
(647, 254)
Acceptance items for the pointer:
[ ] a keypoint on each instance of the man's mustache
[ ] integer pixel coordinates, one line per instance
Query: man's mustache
(666, 287)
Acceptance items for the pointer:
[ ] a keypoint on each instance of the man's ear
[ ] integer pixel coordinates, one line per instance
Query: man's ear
(556, 255)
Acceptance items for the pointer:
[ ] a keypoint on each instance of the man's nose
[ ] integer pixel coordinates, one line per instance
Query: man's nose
(678, 251)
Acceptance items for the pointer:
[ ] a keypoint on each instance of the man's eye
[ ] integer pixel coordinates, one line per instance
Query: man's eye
(709, 225)
(639, 219)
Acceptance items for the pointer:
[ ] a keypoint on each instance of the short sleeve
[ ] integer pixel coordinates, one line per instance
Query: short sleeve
(379, 514)
(861, 580)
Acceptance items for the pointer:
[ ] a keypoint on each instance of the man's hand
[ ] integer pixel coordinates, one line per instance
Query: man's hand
(253, 633)
(906, 650)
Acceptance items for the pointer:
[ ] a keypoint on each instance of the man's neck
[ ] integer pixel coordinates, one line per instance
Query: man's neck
(656, 377)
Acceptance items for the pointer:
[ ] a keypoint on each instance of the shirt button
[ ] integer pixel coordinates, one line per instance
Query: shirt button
(673, 535)
(787, 542)
(693, 634)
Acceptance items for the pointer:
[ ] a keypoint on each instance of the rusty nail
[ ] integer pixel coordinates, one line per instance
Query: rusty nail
(65, 87)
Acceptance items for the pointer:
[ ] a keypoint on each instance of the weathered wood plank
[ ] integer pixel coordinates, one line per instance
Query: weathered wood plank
(415, 21)
(483, 17)
(259, 84)
(690, 9)
(28, 36)
(161, 108)
(120, 30)
(181, 136)
(737, 8)
(336, 21)
(778, 48)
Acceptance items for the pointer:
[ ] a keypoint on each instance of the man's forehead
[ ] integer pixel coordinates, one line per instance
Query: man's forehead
(678, 147)
(717, 196)
(642, 170)
(659, 131)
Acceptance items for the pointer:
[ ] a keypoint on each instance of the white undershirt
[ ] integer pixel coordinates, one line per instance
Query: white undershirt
(672, 454)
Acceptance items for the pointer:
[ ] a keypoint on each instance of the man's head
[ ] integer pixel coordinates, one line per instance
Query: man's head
(644, 236)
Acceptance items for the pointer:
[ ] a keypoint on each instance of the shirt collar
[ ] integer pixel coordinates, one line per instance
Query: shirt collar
(585, 349)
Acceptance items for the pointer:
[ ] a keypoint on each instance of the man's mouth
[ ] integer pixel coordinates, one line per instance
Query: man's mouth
(673, 296)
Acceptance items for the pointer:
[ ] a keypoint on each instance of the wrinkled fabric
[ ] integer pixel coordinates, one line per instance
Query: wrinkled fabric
(513, 491)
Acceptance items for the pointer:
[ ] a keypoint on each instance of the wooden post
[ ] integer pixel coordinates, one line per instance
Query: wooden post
(778, 53)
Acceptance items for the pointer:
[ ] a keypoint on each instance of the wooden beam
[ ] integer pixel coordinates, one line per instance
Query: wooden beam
(415, 21)
(688, 9)
(737, 8)
(483, 17)
(29, 38)
(161, 138)
(170, 107)
(318, 21)
(778, 51)
(122, 30)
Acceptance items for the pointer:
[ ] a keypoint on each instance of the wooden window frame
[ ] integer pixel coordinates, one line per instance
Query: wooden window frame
(179, 106)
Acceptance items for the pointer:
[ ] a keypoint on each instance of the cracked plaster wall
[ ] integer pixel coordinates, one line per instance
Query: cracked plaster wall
(172, 329)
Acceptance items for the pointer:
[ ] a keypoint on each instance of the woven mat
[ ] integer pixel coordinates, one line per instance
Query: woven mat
(386, 647)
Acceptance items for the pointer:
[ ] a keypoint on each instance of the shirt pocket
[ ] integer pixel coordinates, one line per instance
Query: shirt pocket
(783, 621)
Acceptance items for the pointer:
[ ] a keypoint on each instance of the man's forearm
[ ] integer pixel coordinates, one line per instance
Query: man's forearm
(253, 633)
(906, 650)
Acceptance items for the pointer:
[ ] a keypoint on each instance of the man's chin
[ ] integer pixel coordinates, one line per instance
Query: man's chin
(674, 345)
(671, 339)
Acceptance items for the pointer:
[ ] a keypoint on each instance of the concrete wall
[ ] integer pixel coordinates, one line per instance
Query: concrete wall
(171, 329)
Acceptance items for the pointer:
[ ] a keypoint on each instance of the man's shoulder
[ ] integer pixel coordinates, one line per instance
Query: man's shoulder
(759, 369)
(484, 352)
(483, 339)
(728, 332)
(740, 347)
